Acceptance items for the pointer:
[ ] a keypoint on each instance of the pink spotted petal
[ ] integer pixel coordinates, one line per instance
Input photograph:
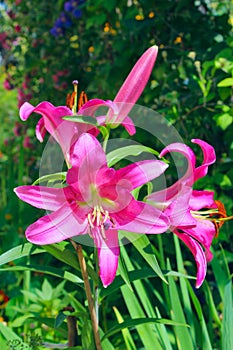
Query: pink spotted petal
(141, 172)
(209, 158)
(198, 254)
(141, 217)
(56, 227)
(108, 253)
(41, 197)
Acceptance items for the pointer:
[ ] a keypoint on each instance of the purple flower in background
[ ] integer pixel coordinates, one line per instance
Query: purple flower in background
(71, 9)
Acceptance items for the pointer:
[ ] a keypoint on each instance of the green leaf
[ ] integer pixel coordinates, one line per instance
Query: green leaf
(220, 275)
(10, 335)
(225, 82)
(184, 289)
(19, 321)
(227, 324)
(129, 343)
(183, 337)
(203, 330)
(224, 120)
(59, 319)
(132, 150)
(142, 244)
(51, 178)
(20, 252)
(46, 270)
(81, 119)
(135, 304)
(88, 342)
(164, 335)
(69, 257)
(122, 271)
(140, 321)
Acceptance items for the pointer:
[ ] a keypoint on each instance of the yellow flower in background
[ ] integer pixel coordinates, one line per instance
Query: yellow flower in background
(139, 17)
(178, 40)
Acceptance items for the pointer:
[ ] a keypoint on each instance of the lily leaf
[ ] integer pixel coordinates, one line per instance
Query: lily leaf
(141, 320)
(123, 152)
(51, 178)
(20, 252)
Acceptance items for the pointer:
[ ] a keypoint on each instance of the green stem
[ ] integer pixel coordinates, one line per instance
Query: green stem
(96, 287)
(90, 301)
(26, 287)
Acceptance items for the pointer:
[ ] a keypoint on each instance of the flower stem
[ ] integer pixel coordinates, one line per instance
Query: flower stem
(91, 306)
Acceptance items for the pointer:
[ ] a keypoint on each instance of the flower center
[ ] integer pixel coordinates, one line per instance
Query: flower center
(100, 218)
(72, 101)
(218, 216)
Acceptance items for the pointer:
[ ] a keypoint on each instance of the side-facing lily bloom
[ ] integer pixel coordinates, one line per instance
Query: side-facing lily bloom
(126, 97)
(97, 200)
(190, 211)
(63, 131)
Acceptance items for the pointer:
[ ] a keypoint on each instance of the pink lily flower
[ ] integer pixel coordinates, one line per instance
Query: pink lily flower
(127, 96)
(97, 201)
(187, 209)
(64, 132)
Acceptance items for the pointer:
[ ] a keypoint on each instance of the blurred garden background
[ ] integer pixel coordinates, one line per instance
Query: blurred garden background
(44, 46)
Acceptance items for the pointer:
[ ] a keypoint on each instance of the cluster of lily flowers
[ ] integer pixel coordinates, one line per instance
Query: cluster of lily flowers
(98, 200)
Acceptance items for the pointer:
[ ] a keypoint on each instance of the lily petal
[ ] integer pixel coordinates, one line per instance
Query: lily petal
(87, 159)
(137, 79)
(209, 158)
(203, 232)
(90, 107)
(64, 132)
(179, 210)
(129, 126)
(41, 197)
(56, 227)
(108, 253)
(198, 254)
(142, 172)
(40, 130)
(202, 199)
(141, 217)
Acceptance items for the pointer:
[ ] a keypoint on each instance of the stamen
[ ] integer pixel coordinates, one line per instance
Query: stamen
(102, 230)
(72, 100)
(89, 218)
(218, 216)
(101, 219)
(82, 99)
